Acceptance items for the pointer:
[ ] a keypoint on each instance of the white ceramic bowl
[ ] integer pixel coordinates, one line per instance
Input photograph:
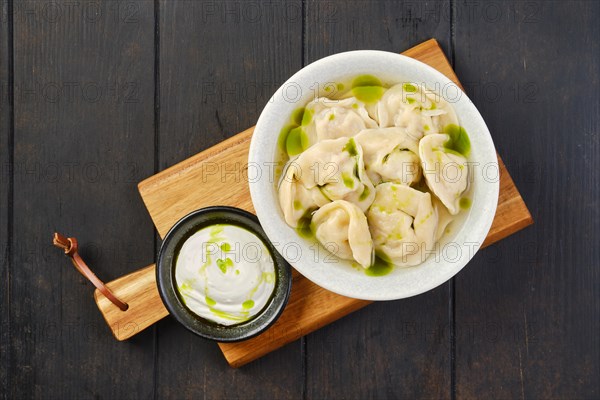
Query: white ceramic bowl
(339, 276)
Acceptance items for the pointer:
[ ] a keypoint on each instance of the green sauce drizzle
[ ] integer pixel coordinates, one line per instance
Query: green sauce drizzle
(380, 267)
(293, 139)
(350, 147)
(465, 203)
(216, 237)
(409, 87)
(348, 181)
(368, 94)
(307, 117)
(304, 228)
(459, 140)
(281, 141)
(268, 277)
(366, 80)
(298, 115)
(367, 88)
(210, 301)
(226, 315)
(365, 193)
(225, 247)
(223, 264)
(296, 141)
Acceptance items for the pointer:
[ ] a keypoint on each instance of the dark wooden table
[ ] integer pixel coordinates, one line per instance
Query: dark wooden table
(98, 95)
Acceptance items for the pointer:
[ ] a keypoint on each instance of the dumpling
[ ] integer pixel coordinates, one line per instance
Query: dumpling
(295, 200)
(337, 169)
(443, 218)
(403, 224)
(445, 170)
(391, 155)
(341, 227)
(331, 119)
(419, 111)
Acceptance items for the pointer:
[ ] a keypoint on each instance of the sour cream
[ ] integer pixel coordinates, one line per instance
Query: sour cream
(225, 274)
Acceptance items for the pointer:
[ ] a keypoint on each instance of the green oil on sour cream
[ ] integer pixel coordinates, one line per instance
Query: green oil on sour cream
(219, 280)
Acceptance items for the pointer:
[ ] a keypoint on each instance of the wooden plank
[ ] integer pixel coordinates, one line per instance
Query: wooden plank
(528, 310)
(219, 64)
(167, 197)
(6, 149)
(83, 137)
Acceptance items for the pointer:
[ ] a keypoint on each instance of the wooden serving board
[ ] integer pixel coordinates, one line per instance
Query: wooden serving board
(217, 176)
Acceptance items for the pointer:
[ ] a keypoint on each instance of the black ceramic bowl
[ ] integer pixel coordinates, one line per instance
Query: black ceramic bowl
(165, 276)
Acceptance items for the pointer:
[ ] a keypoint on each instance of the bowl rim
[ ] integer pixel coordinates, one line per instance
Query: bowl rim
(263, 203)
(165, 276)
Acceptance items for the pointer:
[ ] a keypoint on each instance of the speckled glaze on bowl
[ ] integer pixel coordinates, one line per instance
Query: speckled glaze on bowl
(165, 276)
(454, 251)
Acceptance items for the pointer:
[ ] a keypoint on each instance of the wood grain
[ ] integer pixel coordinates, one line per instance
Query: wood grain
(168, 198)
(140, 292)
(208, 169)
(82, 139)
(6, 184)
(528, 310)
